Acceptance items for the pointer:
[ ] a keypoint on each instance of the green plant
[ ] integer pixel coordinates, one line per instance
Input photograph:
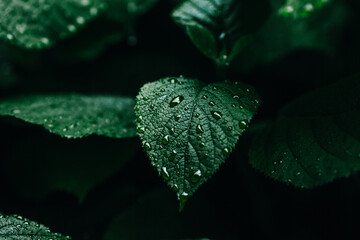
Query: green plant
(187, 127)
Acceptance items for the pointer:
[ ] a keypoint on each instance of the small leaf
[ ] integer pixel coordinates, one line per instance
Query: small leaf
(188, 129)
(316, 138)
(279, 36)
(15, 227)
(220, 29)
(301, 8)
(75, 116)
(34, 24)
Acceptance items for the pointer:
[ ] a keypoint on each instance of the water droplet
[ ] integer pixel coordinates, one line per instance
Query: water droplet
(147, 146)
(289, 9)
(172, 130)
(199, 129)
(80, 20)
(71, 28)
(197, 115)
(243, 124)
(9, 36)
(212, 103)
(298, 173)
(229, 129)
(233, 105)
(139, 119)
(215, 88)
(16, 111)
(93, 11)
(222, 36)
(85, 2)
(216, 115)
(45, 40)
(226, 151)
(162, 90)
(165, 174)
(196, 176)
(165, 140)
(140, 129)
(202, 145)
(177, 117)
(172, 155)
(204, 97)
(309, 7)
(175, 188)
(176, 101)
(236, 97)
(152, 106)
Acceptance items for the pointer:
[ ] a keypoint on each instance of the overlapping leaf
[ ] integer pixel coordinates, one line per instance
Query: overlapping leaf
(15, 227)
(188, 129)
(220, 29)
(316, 138)
(40, 23)
(75, 116)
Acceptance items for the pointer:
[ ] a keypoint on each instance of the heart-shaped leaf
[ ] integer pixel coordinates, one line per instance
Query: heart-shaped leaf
(315, 140)
(188, 129)
(36, 24)
(15, 227)
(301, 8)
(220, 29)
(75, 116)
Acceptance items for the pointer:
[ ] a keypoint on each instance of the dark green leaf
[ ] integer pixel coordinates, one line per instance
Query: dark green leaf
(189, 129)
(15, 227)
(220, 29)
(75, 116)
(279, 36)
(316, 138)
(40, 23)
(52, 164)
(301, 8)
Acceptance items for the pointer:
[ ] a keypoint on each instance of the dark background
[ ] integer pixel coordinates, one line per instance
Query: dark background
(236, 203)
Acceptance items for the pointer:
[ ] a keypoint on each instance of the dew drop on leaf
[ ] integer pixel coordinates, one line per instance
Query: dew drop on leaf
(140, 129)
(165, 140)
(243, 124)
(165, 174)
(217, 115)
(176, 101)
(196, 176)
(212, 103)
(147, 146)
(199, 129)
(226, 151)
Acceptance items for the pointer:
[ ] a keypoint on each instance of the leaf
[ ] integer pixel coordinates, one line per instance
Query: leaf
(15, 227)
(279, 37)
(75, 116)
(189, 129)
(35, 24)
(316, 138)
(51, 164)
(220, 29)
(301, 8)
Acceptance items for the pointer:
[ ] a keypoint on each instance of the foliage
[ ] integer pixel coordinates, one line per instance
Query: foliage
(198, 69)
